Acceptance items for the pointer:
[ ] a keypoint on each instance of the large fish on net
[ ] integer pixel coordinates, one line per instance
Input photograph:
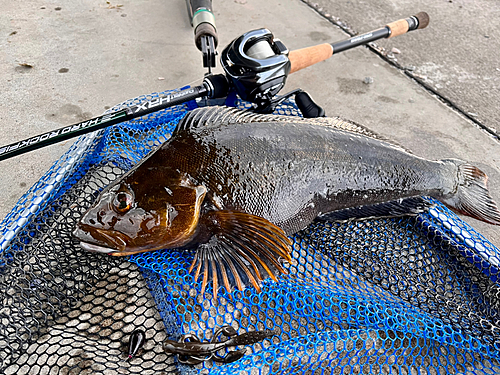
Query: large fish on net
(234, 185)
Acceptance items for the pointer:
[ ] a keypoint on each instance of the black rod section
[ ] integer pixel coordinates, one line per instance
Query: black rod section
(359, 40)
(418, 21)
(103, 121)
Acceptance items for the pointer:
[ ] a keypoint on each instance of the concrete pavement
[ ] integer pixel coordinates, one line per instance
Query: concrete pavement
(62, 62)
(457, 56)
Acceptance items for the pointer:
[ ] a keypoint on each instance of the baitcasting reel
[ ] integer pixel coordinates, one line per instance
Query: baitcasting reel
(257, 64)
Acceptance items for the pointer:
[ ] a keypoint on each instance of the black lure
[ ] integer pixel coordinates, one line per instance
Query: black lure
(136, 342)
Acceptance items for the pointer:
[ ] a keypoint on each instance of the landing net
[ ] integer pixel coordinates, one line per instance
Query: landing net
(416, 295)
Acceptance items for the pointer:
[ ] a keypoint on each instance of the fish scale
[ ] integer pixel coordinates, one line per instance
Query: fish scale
(285, 192)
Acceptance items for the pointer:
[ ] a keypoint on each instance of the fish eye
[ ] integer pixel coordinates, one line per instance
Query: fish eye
(123, 202)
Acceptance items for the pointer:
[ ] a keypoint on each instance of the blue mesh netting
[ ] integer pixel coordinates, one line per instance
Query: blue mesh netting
(414, 295)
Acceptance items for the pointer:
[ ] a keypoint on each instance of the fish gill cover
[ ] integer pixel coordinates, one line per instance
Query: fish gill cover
(413, 295)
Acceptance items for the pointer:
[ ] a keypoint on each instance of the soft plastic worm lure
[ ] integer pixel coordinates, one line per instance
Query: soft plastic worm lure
(192, 351)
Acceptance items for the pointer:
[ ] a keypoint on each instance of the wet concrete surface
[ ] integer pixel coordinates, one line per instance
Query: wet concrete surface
(60, 66)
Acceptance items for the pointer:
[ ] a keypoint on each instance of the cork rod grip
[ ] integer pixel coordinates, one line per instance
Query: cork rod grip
(302, 58)
(398, 27)
(418, 21)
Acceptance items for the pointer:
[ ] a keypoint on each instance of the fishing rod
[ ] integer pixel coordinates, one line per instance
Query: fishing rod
(302, 58)
(256, 66)
(205, 31)
(213, 86)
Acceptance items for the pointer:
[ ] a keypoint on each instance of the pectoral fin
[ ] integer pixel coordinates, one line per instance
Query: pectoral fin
(244, 249)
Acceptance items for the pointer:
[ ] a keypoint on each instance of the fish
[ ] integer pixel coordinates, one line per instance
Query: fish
(234, 185)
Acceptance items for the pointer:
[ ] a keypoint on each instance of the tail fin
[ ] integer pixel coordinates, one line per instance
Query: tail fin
(472, 197)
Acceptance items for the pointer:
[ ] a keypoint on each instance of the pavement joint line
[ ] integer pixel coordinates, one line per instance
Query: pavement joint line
(452, 105)
(373, 47)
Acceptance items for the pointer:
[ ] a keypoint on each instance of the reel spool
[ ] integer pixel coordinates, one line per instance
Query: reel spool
(257, 64)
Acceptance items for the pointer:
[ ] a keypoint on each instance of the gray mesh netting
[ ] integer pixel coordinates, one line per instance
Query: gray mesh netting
(414, 295)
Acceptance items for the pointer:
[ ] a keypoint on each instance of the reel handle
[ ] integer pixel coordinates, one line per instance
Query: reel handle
(302, 58)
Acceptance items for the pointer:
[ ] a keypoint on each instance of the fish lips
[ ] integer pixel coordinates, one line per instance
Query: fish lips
(100, 241)
(96, 248)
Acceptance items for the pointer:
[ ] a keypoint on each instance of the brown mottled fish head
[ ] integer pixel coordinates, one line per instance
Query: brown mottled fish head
(130, 218)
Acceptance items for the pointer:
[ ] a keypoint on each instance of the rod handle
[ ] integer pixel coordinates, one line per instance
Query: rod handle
(203, 21)
(402, 26)
(304, 57)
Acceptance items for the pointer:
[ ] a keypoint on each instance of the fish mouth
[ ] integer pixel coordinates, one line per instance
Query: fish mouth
(107, 250)
(100, 241)
(96, 248)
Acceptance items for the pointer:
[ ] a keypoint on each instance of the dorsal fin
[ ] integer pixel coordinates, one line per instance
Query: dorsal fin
(353, 127)
(206, 116)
